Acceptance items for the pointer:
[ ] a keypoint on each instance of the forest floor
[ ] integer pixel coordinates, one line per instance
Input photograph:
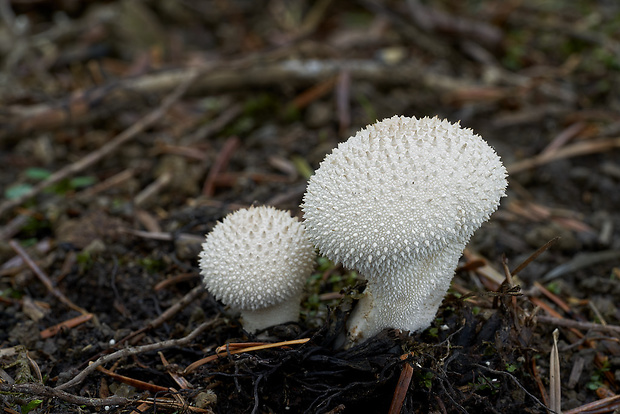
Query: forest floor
(128, 129)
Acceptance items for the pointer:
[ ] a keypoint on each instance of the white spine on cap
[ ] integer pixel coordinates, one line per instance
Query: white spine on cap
(257, 261)
(398, 202)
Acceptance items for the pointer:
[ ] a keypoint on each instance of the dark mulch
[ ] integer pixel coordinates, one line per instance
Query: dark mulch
(128, 129)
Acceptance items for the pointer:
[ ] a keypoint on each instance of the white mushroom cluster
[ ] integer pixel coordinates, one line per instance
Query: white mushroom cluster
(257, 261)
(398, 202)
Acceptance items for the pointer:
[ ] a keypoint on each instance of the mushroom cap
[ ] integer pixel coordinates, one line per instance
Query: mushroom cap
(256, 258)
(400, 189)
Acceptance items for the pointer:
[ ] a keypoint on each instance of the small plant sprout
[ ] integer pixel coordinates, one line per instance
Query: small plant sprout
(257, 261)
(398, 202)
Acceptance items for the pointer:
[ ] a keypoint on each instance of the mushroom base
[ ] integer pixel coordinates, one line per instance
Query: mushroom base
(407, 299)
(255, 320)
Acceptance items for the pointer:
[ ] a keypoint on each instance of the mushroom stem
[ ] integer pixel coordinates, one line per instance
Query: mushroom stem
(398, 202)
(258, 319)
(389, 303)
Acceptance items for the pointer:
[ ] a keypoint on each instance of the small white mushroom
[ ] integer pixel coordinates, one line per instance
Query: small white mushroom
(257, 261)
(398, 202)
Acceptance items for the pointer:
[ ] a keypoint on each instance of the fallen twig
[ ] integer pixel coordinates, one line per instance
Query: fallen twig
(515, 380)
(609, 403)
(220, 164)
(44, 278)
(534, 255)
(580, 261)
(68, 324)
(569, 323)
(40, 390)
(106, 149)
(135, 351)
(574, 150)
(240, 74)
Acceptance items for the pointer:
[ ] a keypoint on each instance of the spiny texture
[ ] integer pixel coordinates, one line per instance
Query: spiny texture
(401, 188)
(407, 299)
(256, 258)
(398, 202)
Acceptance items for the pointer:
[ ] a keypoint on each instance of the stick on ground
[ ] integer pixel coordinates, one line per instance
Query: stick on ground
(106, 149)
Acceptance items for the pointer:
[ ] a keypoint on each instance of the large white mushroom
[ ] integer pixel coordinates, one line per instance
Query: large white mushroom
(257, 261)
(398, 202)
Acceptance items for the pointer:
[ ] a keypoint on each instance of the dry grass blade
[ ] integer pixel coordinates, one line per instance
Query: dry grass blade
(534, 255)
(401, 388)
(555, 384)
(313, 93)
(141, 385)
(575, 150)
(180, 380)
(488, 272)
(68, 324)
(552, 297)
(240, 349)
(608, 404)
(259, 347)
(220, 164)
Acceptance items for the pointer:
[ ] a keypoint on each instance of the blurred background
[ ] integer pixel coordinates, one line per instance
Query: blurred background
(128, 128)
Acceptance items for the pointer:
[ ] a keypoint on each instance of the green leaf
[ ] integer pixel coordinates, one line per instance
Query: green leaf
(16, 191)
(301, 165)
(38, 174)
(79, 182)
(33, 404)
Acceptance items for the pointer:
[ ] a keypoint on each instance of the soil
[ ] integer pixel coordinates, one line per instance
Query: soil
(129, 129)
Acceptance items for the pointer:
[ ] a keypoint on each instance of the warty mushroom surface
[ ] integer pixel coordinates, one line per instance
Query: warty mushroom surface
(398, 202)
(257, 261)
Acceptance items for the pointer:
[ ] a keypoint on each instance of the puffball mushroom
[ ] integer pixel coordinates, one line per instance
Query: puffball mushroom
(398, 202)
(257, 261)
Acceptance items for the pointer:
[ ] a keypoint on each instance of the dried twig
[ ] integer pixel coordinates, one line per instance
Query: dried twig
(432, 19)
(211, 128)
(534, 255)
(40, 390)
(514, 379)
(575, 150)
(106, 149)
(44, 278)
(314, 93)
(68, 324)
(135, 351)
(580, 261)
(111, 182)
(563, 137)
(220, 165)
(152, 189)
(609, 404)
(171, 311)
(568, 323)
(234, 75)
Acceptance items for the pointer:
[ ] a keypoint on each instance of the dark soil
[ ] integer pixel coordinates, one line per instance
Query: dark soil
(128, 129)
